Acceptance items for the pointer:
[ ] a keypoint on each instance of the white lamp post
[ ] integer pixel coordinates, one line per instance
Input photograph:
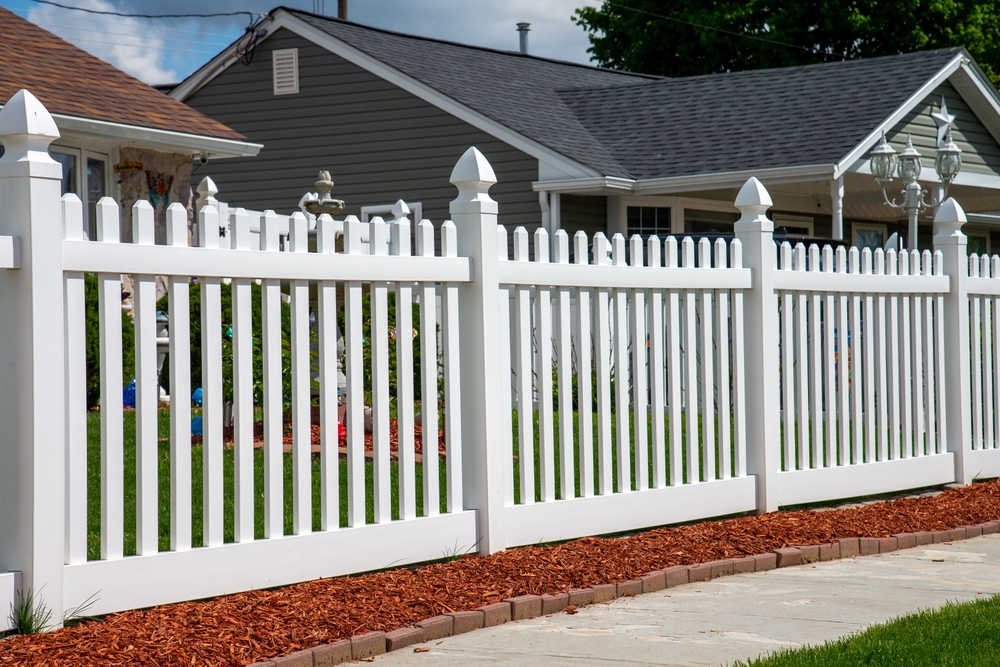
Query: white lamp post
(884, 162)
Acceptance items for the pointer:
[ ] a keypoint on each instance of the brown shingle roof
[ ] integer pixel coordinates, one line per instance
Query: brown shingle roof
(71, 82)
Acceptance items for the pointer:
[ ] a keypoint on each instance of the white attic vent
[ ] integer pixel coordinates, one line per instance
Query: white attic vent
(286, 71)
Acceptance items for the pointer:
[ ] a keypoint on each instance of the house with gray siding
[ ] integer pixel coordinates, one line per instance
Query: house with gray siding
(580, 147)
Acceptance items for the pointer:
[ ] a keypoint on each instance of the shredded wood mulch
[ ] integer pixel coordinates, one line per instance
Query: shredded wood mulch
(243, 628)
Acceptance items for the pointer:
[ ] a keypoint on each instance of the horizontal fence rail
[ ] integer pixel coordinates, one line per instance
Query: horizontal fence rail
(376, 394)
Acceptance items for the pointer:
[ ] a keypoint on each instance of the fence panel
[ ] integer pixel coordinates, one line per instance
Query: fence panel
(662, 422)
(254, 526)
(867, 399)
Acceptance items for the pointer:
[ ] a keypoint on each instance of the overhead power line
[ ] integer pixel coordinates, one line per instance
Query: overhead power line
(104, 12)
(705, 27)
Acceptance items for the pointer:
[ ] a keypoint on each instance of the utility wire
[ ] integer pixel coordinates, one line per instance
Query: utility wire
(130, 34)
(103, 12)
(700, 25)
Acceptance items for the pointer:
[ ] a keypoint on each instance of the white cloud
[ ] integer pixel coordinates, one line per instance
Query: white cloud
(126, 43)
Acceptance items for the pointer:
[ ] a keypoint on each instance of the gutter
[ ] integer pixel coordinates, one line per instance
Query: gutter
(197, 144)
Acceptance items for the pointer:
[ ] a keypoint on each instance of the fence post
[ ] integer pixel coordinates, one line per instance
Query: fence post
(952, 243)
(32, 384)
(760, 306)
(482, 379)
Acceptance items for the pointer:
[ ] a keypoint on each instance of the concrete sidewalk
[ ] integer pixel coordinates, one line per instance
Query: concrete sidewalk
(714, 623)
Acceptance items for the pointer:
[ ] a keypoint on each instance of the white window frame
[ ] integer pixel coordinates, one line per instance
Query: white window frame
(676, 205)
(276, 55)
(787, 220)
(871, 226)
(82, 153)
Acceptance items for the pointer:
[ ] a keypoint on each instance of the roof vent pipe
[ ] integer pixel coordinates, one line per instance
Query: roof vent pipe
(342, 10)
(522, 30)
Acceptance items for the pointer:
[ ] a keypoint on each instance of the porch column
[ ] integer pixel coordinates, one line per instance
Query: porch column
(555, 213)
(837, 207)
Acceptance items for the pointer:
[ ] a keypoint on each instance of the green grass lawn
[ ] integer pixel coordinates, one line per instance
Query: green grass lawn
(957, 635)
(94, 488)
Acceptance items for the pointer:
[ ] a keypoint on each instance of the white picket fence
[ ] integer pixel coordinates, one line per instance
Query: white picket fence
(591, 387)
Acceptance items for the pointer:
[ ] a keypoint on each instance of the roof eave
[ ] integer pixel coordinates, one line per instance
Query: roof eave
(679, 184)
(178, 142)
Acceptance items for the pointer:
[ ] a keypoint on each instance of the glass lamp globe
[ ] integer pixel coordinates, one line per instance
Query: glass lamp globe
(909, 162)
(949, 160)
(883, 161)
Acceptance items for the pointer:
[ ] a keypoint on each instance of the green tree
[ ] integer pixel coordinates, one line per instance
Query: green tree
(691, 37)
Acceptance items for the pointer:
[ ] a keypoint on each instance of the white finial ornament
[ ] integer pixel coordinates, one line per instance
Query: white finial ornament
(943, 120)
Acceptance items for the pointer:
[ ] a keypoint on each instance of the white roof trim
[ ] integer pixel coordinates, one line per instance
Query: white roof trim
(283, 19)
(896, 116)
(608, 184)
(980, 95)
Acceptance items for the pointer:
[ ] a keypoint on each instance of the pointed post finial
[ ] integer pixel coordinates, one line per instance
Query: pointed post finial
(753, 201)
(207, 190)
(26, 130)
(949, 219)
(473, 176)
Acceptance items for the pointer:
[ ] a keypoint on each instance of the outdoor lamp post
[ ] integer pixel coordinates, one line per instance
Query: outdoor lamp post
(884, 162)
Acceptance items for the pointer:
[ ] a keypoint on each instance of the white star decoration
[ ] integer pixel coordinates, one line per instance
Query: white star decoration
(943, 120)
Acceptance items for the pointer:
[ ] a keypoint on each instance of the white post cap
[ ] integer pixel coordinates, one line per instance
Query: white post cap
(949, 219)
(473, 176)
(26, 130)
(753, 201)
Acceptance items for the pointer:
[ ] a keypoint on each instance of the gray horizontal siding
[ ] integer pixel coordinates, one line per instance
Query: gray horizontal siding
(980, 151)
(379, 142)
(589, 214)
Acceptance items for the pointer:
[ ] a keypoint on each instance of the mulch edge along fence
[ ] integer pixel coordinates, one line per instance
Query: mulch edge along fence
(330, 621)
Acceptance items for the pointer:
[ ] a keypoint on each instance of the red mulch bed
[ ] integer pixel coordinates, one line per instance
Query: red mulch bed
(243, 628)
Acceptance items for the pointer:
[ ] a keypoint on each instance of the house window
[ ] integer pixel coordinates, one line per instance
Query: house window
(708, 222)
(793, 225)
(869, 236)
(285, 63)
(68, 162)
(648, 220)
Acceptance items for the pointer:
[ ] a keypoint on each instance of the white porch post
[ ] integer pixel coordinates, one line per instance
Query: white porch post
(957, 417)
(837, 207)
(482, 380)
(32, 385)
(756, 232)
(555, 208)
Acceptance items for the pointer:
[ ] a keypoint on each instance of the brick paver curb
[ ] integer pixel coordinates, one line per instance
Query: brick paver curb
(371, 644)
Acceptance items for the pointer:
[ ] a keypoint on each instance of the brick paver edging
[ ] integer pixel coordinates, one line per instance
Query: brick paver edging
(522, 607)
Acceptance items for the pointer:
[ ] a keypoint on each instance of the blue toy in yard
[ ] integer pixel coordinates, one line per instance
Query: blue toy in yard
(128, 395)
(196, 425)
(196, 396)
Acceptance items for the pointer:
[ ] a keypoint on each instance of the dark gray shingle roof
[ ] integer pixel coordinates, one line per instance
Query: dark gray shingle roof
(638, 126)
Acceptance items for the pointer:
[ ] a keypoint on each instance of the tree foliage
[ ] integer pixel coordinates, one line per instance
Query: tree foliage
(691, 37)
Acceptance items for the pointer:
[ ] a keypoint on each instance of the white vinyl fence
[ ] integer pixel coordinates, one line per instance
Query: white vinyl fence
(583, 385)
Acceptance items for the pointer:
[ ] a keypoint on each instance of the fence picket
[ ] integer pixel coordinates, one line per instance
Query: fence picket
(639, 370)
(602, 352)
(525, 407)
(995, 324)
(988, 334)
(271, 344)
(378, 235)
(564, 370)
(674, 352)
(405, 446)
(792, 457)
(654, 315)
(354, 355)
(801, 351)
(869, 362)
(585, 420)
(722, 337)
(930, 378)
(918, 367)
(180, 388)
(619, 343)
(892, 369)
(543, 374)
(708, 422)
(327, 338)
(829, 367)
(429, 372)
(209, 223)
(977, 359)
(690, 369)
(739, 373)
(857, 365)
(452, 390)
(243, 418)
(815, 365)
(112, 432)
(76, 392)
(843, 411)
(906, 379)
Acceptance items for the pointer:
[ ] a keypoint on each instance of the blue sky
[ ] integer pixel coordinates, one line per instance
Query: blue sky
(166, 51)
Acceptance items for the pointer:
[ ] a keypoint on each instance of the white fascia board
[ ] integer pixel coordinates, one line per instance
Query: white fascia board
(733, 179)
(177, 142)
(423, 91)
(605, 184)
(859, 151)
(980, 95)
(984, 218)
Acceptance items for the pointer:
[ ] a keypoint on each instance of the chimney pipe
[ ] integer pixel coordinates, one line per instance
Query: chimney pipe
(522, 30)
(342, 10)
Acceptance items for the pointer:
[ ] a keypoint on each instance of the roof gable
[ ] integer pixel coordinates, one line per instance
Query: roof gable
(71, 82)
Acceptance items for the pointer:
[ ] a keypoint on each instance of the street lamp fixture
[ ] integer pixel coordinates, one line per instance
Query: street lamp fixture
(885, 161)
